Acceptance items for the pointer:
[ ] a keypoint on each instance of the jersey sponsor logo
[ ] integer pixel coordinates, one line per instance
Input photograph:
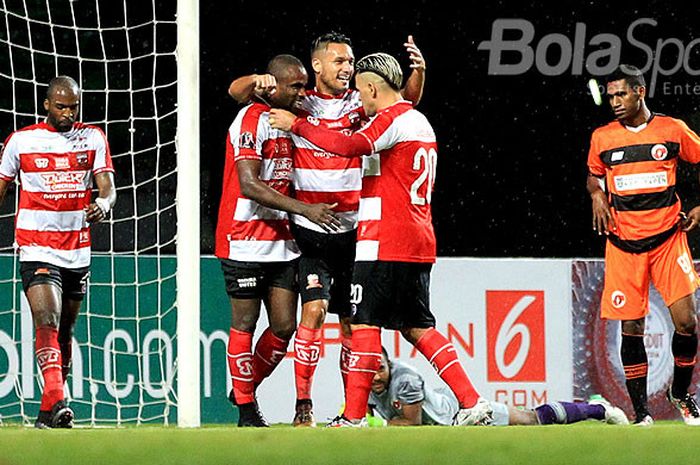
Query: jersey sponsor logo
(246, 140)
(659, 152)
(313, 282)
(617, 156)
(515, 329)
(629, 182)
(62, 163)
(64, 181)
(41, 163)
(84, 237)
(282, 169)
(618, 299)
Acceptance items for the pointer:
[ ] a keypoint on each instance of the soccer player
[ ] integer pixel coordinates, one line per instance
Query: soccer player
(632, 182)
(395, 246)
(400, 397)
(327, 257)
(56, 162)
(253, 240)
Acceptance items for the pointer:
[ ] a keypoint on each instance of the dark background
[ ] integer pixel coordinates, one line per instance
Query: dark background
(512, 149)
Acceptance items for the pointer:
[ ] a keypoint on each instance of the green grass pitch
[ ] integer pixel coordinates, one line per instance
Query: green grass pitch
(590, 442)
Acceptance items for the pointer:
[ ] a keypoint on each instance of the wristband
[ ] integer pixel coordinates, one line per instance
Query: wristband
(103, 204)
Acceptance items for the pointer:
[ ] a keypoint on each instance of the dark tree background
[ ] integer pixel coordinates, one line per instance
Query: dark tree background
(512, 149)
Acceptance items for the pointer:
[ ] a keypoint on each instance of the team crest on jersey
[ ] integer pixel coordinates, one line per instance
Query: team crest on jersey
(41, 163)
(396, 404)
(619, 299)
(312, 120)
(82, 158)
(246, 140)
(62, 163)
(659, 152)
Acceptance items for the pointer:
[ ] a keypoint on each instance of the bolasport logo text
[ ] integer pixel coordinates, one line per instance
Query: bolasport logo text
(515, 48)
(515, 332)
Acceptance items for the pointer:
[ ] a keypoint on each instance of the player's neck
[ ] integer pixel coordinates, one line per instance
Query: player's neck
(641, 117)
(388, 100)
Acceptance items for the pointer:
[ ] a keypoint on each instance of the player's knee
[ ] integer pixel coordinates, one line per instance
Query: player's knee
(46, 317)
(633, 327)
(284, 331)
(314, 313)
(245, 323)
(412, 334)
(687, 325)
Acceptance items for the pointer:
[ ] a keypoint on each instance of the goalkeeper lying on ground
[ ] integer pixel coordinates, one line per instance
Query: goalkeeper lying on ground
(400, 397)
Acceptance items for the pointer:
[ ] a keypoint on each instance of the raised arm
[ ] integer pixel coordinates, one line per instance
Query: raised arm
(105, 200)
(246, 87)
(253, 188)
(413, 90)
(315, 131)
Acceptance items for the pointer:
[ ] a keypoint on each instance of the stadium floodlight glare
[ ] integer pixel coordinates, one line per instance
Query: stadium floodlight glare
(136, 344)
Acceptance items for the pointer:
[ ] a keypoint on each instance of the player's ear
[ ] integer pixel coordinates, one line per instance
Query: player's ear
(642, 91)
(316, 65)
(46, 104)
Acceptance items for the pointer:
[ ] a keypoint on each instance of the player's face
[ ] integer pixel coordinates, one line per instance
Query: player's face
(290, 89)
(334, 67)
(62, 108)
(380, 382)
(625, 101)
(367, 94)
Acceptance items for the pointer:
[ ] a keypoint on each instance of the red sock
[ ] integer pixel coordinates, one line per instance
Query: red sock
(442, 356)
(307, 348)
(363, 365)
(269, 352)
(240, 364)
(48, 357)
(345, 351)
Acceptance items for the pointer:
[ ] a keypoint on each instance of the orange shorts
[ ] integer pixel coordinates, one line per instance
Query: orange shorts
(626, 290)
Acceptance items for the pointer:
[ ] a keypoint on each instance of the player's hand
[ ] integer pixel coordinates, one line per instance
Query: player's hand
(322, 214)
(281, 119)
(691, 220)
(414, 54)
(603, 221)
(265, 85)
(94, 213)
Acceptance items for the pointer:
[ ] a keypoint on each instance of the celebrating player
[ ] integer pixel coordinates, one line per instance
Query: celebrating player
(395, 242)
(399, 395)
(56, 161)
(635, 158)
(327, 257)
(253, 240)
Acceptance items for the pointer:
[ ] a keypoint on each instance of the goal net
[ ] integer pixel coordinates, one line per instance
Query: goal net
(123, 55)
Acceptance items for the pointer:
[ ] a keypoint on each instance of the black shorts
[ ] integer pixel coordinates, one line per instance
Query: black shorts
(253, 280)
(72, 282)
(325, 267)
(392, 295)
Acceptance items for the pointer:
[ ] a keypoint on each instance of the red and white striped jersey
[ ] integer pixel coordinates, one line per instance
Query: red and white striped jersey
(56, 173)
(395, 219)
(323, 177)
(246, 231)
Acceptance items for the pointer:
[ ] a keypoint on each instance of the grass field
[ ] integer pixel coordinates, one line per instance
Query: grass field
(664, 443)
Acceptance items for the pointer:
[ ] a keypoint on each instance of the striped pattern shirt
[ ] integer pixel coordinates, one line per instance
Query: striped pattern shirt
(56, 171)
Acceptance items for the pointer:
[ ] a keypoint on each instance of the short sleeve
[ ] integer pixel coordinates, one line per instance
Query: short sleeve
(9, 160)
(409, 389)
(690, 143)
(103, 156)
(247, 139)
(595, 165)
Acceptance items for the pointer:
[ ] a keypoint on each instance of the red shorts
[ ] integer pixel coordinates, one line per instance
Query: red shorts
(626, 291)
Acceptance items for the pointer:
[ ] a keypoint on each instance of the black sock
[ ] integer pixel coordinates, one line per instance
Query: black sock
(634, 361)
(684, 347)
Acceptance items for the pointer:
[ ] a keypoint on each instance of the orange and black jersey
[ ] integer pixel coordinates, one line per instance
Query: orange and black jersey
(640, 175)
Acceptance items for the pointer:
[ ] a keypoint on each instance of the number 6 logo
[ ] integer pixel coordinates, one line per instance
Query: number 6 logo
(515, 332)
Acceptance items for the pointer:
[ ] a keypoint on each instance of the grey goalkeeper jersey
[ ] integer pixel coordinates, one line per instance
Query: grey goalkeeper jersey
(406, 386)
